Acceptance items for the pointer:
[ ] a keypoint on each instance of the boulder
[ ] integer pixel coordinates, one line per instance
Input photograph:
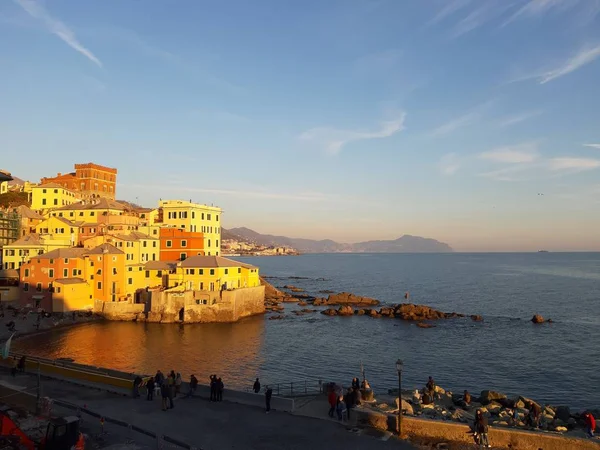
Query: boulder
(319, 301)
(386, 311)
(426, 399)
(561, 429)
(407, 408)
(476, 318)
(409, 311)
(373, 313)
(302, 303)
(326, 291)
(494, 408)
(329, 312)
(537, 319)
(346, 298)
(529, 403)
(360, 312)
(563, 413)
(425, 325)
(489, 396)
(345, 310)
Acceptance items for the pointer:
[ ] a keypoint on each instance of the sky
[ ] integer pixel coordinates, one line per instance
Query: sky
(474, 122)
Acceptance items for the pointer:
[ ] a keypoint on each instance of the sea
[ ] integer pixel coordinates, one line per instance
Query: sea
(555, 363)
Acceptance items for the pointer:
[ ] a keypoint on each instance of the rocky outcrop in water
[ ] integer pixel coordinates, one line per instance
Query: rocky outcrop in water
(345, 298)
(537, 319)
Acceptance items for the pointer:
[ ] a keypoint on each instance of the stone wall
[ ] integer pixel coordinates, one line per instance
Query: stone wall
(174, 306)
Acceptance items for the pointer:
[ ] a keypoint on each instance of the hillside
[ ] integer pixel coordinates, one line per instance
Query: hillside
(404, 244)
(13, 199)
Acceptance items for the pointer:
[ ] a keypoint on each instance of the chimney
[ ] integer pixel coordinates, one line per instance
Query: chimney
(59, 174)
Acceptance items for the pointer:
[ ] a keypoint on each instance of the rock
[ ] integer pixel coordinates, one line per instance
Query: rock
(319, 301)
(346, 298)
(360, 312)
(386, 311)
(326, 291)
(302, 303)
(519, 404)
(345, 310)
(426, 399)
(537, 319)
(329, 312)
(407, 408)
(476, 318)
(425, 325)
(305, 310)
(409, 311)
(561, 429)
(494, 408)
(563, 413)
(373, 313)
(529, 403)
(489, 396)
(439, 390)
(276, 317)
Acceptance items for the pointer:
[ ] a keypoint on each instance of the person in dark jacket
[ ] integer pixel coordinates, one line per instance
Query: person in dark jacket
(22, 363)
(164, 393)
(193, 386)
(430, 386)
(150, 385)
(213, 388)
(220, 388)
(256, 387)
(355, 384)
(466, 398)
(481, 427)
(332, 399)
(349, 401)
(357, 397)
(136, 386)
(159, 378)
(268, 395)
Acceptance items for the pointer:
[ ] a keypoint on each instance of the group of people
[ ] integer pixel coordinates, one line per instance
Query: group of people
(168, 387)
(216, 389)
(268, 394)
(341, 404)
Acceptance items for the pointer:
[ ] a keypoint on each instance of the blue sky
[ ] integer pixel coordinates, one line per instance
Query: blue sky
(351, 120)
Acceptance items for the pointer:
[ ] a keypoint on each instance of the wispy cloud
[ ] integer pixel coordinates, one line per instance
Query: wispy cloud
(518, 118)
(537, 8)
(300, 196)
(508, 173)
(450, 7)
(513, 154)
(486, 12)
(573, 164)
(592, 146)
(334, 139)
(36, 10)
(469, 118)
(449, 164)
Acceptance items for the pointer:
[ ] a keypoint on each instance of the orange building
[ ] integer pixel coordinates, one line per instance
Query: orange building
(107, 264)
(39, 274)
(177, 244)
(89, 179)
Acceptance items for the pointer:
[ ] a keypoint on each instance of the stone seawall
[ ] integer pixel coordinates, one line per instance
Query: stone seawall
(174, 306)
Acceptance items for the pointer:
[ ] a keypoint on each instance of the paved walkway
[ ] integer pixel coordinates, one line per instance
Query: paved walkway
(212, 426)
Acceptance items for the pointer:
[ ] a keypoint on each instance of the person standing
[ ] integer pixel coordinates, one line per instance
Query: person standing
(355, 384)
(178, 381)
(590, 424)
(220, 388)
(268, 395)
(193, 386)
(341, 407)
(256, 387)
(481, 426)
(150, 385)
(136, 386)
(164, 393)
(159, 378)
(213, 388)
(332, 399)
(431, 388)
(171, 389)
(349, 401)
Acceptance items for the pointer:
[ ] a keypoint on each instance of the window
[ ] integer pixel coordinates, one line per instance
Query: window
(74, 272)
(56, 191)
(209, 242)
(51, 261)
(200, 271)
(65, 273)
(226, 271)
(51, 273)
(239, 270)
(192, 271)
(183, 243)
(147, 274)
(56, 201)
(130, 269)
(99, 285)
(81, 214)
(193, 214)
(114, 270)
(60, 214)
(92, 214)
(26, 287)
(182, 256)
(71, 214)
(129, 280)
(99, 272)
(43, 201)
(58, 290)
(66, 260)
(26, 273)
(212, 271)
(202, 216)
(144, 244)
(114, 258)
(217, 243)
(208, 217)
(159, 273)
(169, 243)
(154, 244)
(38, 287)
(43, 191)
(217, 217)
(201, 286)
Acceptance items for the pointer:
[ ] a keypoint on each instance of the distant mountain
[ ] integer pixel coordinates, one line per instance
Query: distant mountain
(404, 244)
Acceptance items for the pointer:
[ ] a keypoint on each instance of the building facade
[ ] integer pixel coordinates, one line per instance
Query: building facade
(177, 244)
(90, 180)
(52, 195)
(196, 218)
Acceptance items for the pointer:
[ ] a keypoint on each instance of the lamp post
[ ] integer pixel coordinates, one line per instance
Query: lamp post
(399, 369)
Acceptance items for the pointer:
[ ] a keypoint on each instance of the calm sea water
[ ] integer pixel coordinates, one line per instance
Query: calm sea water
(556, 363)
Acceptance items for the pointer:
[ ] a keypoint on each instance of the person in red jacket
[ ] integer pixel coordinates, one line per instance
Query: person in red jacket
(590, 424)
(332, 399)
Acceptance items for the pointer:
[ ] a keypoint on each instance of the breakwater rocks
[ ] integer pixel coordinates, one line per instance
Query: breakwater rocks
(404, 311)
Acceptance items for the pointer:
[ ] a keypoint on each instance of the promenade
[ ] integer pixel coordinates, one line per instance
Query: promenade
(208, 425)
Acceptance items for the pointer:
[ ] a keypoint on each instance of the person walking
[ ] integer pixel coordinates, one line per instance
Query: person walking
(481, 427)
(332, 399)
(22, 363)
(136, 386)
(220, 388)
(256, 387)
(178, 381)
(590, 424)
(268, 395)
(159, 378)
(150, 386)
(164, 393)
(355, 383)
(193, 386)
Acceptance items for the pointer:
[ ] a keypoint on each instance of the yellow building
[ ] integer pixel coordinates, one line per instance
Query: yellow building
(89, 210)
(196, 218)
(29, 219)
(29, 246)
(51, 195)
(215, 273)
(3, 187)
(162, 274)
(139, 248)
(72, 294)
(60, 230)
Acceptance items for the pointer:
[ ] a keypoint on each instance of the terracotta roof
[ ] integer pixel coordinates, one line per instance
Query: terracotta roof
(70, 281)
(99, 203)
(73, 252)
(105, 249)
(28, 239)
(51, 185)
(9, 273)
(212, 261)
(26, 212)
(160, 265)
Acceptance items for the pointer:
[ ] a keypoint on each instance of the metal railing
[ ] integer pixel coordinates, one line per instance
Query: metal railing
(300, 388)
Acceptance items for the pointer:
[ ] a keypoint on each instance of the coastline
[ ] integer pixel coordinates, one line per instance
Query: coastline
(27, 326)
